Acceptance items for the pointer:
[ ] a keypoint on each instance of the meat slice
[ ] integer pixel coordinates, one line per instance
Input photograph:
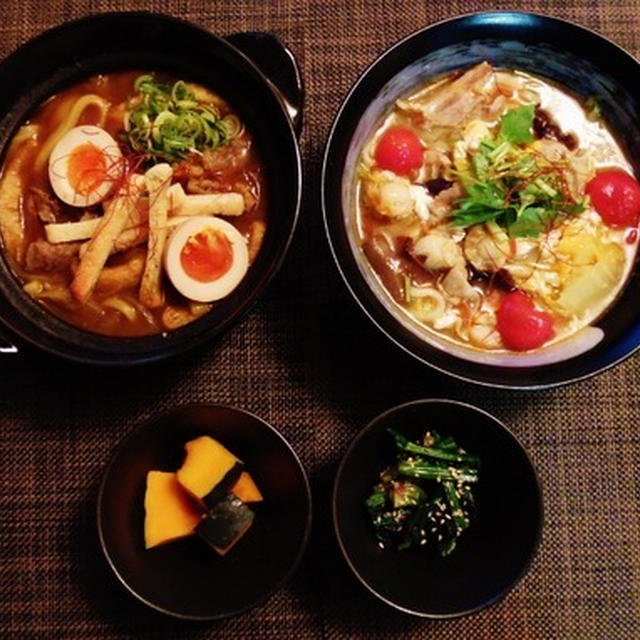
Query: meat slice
(451, 103)
(43, 205)
(231, 156)
(42, 256)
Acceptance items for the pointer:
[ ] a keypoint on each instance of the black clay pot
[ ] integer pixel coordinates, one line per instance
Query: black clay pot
(574, 57)
(268, 96)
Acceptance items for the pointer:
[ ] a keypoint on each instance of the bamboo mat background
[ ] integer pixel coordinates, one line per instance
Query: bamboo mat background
(308, 362)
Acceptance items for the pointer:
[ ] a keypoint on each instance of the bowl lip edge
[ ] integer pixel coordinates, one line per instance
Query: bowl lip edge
(532, 553)
(329, 233)
(163, 415)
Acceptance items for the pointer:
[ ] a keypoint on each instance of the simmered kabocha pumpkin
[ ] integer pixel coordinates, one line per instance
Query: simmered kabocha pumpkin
(246, 489)
(225, 524)
(209, 470)
(170, 513)
(207, 495)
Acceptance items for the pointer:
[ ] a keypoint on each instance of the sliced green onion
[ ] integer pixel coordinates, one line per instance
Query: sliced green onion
(166, 122)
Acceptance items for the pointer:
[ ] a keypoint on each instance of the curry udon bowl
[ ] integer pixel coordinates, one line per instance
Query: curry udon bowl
(257, 78)
(582, 65)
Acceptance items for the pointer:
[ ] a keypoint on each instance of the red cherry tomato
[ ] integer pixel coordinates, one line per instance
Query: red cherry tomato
(520, 324)
(615, 195)
(399, 150)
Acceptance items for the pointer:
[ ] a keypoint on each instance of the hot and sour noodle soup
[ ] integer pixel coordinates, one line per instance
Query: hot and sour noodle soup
(131, 202)
(497, 212)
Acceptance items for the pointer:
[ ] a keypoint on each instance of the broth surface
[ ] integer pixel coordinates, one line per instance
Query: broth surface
(493, 202)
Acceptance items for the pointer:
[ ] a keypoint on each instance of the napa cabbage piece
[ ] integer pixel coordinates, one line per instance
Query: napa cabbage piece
(590, 268)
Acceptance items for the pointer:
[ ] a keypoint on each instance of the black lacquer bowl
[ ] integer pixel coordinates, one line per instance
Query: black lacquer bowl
(574, 57)
(188, 579)
(490, 556)
(267, 95)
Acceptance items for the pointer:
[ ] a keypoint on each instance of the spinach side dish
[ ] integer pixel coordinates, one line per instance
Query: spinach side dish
(425, 499)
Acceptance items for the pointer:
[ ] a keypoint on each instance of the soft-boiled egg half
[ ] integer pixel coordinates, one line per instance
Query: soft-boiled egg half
(206, 258)
(84, 166)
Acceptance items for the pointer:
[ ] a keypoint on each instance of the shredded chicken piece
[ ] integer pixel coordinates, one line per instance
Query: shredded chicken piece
(435, 164)
(437, 251)
(390, 197)
(442, 204)
(456, 283)
(487, 248)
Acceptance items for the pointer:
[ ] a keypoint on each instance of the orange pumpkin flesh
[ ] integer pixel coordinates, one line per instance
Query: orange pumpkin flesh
(206, 496)
(169, 512)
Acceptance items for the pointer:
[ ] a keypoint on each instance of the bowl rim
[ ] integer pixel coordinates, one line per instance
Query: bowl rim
(147, 424)
(37, 327)
(491, 17)
(371, 426)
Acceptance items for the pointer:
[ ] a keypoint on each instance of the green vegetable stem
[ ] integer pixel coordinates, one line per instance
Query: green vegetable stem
(510, 182)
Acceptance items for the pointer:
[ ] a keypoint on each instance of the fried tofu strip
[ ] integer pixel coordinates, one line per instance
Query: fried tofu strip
(11, 223)
(58, 232)
(205, 204)
(122, 276)
(136, 230)
(157, 180)
(114, 220)
(134, 233)
(256, 236)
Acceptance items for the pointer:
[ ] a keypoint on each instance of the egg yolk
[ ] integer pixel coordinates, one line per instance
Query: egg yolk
(86, 168)
(207, 255)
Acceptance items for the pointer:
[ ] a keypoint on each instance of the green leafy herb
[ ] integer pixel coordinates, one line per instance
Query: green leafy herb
(512, 184)
(166, 122)
(425, 498)
(516, 124)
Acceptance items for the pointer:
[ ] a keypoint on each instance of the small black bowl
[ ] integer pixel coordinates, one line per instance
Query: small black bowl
(490, 557)
(187, 579)
(268, 96)
(565, 53)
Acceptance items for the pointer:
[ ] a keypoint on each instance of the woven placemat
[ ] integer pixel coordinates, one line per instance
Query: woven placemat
(308, 362)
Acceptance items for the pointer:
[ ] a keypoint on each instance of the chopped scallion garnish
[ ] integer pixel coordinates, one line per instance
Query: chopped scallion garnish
(166, 122)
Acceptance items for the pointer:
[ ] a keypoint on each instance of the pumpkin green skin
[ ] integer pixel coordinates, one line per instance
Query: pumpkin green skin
(225, 523)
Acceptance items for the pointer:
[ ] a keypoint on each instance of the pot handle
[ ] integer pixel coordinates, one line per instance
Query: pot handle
(279, 65)
(5, 345)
